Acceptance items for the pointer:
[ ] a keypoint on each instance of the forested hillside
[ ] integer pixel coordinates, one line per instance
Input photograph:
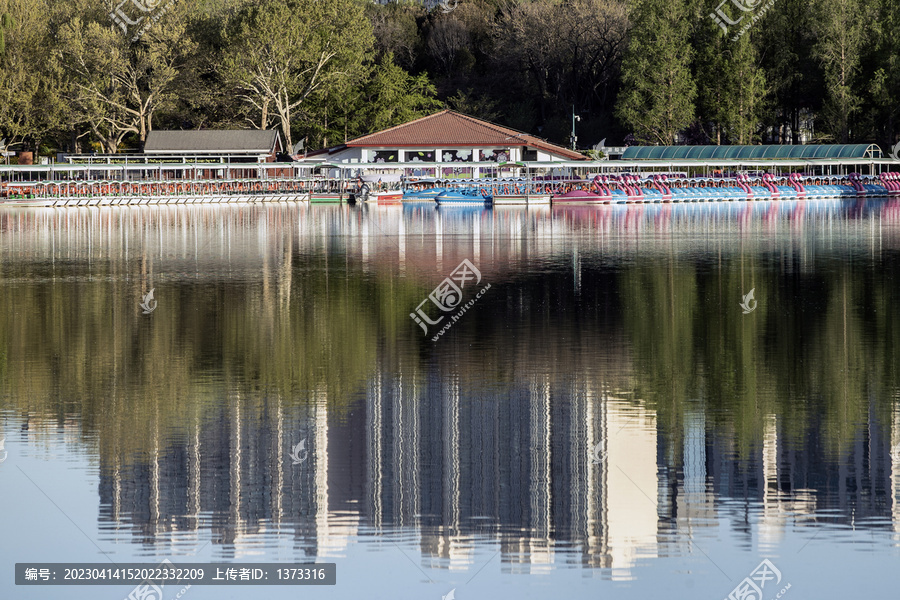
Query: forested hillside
(323, 71)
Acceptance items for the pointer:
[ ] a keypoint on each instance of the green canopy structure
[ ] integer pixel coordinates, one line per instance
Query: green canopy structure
(774, 152)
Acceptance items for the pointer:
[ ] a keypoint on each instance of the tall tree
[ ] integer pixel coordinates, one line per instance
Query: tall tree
(116, 85)
(94, 57)
(387, 96)
(748, 100)
(658, 94)
(785, 45)
(448, 42)
(30, 105)
(598, 39)
(557, 55)
(395, 29)
(284, 51)
(884, 81)
(842, 28)
(528, 36)
(730, 84)
(393, 96)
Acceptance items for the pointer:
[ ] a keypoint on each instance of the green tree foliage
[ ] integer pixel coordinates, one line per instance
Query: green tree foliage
(842, 27)
(392, 96)
(479, 106)
(6, 22)
(30, 104)
(659, 89)
(284, 52)
(116, 86)
(884, 81)
(730, 85)
(386, 96)
(789, 71)
(785, 41)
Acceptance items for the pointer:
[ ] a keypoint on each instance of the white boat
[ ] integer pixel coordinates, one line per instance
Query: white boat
(380, 188)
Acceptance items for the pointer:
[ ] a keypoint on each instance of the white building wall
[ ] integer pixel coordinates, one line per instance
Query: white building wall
(357, 155)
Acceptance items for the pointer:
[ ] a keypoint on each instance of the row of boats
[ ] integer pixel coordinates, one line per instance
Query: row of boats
(633, 189)
(597, 189)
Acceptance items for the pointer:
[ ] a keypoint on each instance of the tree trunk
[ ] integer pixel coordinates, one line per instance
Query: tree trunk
(795, 126)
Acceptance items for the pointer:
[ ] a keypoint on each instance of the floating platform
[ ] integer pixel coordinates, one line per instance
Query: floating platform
(326, 198)
(525, 199)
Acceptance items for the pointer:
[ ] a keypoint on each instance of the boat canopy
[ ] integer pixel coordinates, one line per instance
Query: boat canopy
(382, 177)
(774, 151)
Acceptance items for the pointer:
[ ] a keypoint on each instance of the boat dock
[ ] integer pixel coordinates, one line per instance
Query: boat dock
(139, 181)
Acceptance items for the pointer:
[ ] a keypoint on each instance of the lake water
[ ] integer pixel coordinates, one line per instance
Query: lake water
(602, 419)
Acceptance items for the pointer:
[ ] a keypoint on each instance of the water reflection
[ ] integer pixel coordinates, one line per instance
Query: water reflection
(606, 403)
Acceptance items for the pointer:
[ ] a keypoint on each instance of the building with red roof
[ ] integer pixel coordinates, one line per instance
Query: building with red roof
(445, 137)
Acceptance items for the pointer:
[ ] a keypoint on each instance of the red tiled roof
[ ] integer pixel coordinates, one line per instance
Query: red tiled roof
(448, 129)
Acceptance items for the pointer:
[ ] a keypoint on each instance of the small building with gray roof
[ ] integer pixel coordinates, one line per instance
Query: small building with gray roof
(230, 145)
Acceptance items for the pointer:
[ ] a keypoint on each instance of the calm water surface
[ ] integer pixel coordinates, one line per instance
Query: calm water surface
(604, 421)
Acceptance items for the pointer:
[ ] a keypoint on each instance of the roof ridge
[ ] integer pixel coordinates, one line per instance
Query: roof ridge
(474, 125)
(501, 128)
(400, 126)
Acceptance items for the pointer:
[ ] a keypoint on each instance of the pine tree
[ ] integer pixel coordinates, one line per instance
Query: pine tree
(841, 26)
(785, 43)
(730, 84)
(658, 94)
(884, 77)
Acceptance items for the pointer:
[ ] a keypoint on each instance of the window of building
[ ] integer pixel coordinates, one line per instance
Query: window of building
(498, 155)
(457, 156)
(420, 156)
(383, 156)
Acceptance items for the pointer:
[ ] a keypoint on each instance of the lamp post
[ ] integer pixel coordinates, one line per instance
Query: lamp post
(574, 118)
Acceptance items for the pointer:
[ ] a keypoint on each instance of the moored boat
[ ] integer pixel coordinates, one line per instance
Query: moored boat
(462, 196)
(580, 197)
(422, 190)
(380, 188)
(386, 197)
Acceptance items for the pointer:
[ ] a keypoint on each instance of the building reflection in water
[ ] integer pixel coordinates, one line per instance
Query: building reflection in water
(555, 465)
(424, 460)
